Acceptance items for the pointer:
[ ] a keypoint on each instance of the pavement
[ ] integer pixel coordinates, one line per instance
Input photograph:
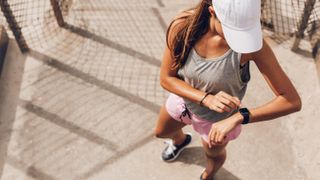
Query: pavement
(83, 104)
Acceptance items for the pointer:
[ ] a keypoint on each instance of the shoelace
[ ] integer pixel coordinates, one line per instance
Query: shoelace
(185, 112)
(171, 147)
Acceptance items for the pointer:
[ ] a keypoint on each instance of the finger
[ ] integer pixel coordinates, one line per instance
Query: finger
(223, 107)
(216, 108)
(227, 102)
(240, 104)
(221, 138)
(231, 98)
(216, 138)
(213, 134)
(212, 138)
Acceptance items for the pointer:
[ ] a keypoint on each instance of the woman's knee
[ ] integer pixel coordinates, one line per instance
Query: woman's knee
(218, 156)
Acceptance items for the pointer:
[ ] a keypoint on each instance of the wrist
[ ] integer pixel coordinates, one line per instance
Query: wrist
(203, 101)
(238, 118)
(246, 115)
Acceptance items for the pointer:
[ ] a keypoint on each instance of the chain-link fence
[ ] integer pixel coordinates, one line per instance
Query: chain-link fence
(99, 61)
(293, 18)
(35, 22)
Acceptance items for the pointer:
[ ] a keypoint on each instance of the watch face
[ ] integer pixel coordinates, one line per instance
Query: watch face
(245, 113)
(244, 110)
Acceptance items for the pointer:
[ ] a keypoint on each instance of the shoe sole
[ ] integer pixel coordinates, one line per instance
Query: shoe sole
(177, 155)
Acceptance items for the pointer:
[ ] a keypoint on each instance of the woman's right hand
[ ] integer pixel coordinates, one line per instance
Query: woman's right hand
(222, 102)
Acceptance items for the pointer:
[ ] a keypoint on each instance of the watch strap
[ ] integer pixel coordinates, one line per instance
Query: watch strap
(246, 115)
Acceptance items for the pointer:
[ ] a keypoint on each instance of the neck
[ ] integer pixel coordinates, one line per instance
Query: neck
(213, 39)
(212, 28)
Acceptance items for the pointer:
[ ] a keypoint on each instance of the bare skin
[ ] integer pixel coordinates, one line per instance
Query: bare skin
(211, 45)
(216, 156)
(167, 127)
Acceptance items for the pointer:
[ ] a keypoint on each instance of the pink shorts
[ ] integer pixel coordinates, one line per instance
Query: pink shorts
(177, 110)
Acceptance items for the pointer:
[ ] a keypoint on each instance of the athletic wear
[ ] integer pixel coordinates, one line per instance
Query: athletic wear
(240, 21)
(176, 108)
(213, 75)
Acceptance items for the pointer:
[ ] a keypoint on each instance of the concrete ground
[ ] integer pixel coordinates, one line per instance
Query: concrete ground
(83, 103)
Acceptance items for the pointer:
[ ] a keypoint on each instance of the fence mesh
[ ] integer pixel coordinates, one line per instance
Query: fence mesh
(288, 18)
(38, 21)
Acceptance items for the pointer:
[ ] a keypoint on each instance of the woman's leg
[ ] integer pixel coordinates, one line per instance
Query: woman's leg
(215, 156)
(167, 127)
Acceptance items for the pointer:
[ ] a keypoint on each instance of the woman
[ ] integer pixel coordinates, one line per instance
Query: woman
(206, 68)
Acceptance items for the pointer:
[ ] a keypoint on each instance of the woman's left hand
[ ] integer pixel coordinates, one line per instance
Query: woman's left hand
(219, 131)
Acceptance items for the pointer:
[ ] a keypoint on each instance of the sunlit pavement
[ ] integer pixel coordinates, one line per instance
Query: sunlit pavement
(84, 102)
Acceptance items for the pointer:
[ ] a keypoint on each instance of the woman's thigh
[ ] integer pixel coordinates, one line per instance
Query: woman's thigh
(171, 118)
(166, 124)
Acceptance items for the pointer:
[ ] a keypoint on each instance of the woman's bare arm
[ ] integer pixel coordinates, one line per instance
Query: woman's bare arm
(170, 81)
(287, 99)
(168, 77)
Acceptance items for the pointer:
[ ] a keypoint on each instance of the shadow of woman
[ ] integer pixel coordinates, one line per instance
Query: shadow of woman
(196, 156)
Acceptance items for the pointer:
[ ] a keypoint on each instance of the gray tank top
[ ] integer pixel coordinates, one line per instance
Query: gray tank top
(222, 73)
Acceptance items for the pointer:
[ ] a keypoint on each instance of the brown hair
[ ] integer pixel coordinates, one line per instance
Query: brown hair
(190, 30)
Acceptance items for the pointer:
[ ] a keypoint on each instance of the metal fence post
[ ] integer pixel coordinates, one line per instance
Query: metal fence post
(14, 26)
(57, 12)
(308, 7)
(316, 54)
(4, 40)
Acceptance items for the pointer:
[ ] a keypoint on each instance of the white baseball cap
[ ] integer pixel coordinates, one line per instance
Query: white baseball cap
(240, 20)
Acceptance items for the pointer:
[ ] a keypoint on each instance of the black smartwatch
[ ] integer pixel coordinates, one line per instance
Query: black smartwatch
(245, 113)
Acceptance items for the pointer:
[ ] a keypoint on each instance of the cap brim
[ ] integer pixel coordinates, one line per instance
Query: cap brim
(244, 41)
